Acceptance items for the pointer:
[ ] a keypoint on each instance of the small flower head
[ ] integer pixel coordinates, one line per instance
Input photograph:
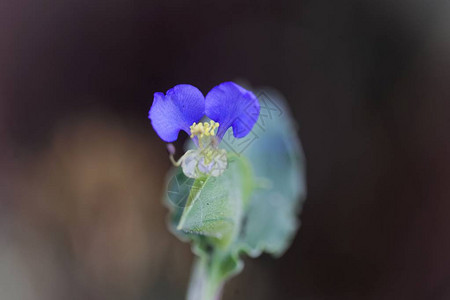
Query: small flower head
(183, 107)
(198, 162)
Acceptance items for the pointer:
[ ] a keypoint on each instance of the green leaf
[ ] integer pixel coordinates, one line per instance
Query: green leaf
(214, 205)
(277, 160)
(178, 189)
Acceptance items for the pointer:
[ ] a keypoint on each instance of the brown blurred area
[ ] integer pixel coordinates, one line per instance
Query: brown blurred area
(82, 172)
(87, 212)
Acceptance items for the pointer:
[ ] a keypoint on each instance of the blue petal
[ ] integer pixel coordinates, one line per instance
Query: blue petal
(182, 105)
(232, 106)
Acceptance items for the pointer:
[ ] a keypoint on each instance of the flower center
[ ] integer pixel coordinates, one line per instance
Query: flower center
(207, 159)
(205, 133)
(204, 129)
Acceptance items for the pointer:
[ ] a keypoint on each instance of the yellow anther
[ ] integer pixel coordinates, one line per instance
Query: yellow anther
(204, 129)
(212, 127)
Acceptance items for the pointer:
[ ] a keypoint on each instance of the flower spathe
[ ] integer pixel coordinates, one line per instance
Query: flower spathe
(183, 107)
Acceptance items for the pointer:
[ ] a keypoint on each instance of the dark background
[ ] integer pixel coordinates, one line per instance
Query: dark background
(82, 171)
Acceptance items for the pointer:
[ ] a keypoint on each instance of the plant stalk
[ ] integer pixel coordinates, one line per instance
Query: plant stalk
(205, 282)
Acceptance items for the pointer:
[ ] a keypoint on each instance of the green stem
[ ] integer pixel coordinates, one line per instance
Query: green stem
(206, 283)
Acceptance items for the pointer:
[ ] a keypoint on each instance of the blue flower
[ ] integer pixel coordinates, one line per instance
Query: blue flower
(184, 106)
(231, 105)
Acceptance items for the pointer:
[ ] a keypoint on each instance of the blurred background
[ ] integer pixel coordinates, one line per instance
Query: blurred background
(82, 171)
